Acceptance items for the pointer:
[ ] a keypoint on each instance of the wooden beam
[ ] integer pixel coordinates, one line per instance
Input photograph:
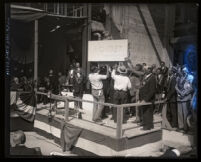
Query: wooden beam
(25, 8)
(119, 122)
(71, 99)
(63, 98)
(84, 41)
(89, 34)
(66, 110)
(35, 54)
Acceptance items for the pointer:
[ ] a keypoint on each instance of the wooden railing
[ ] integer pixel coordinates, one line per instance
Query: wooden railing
(120, 108)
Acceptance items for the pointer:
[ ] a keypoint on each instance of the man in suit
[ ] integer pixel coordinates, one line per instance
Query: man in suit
(180, 151)
(171, 153)
(184, 95)
(147, 94)
(78, 88)
(172, 99)
(17, 141)
(54, 83)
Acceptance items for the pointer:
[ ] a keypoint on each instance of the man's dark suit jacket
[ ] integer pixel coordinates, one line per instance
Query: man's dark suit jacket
(169, 154)
(148, 91)
(171, 91)
(23, 150)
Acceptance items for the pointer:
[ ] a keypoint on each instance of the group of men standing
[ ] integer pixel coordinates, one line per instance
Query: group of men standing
(180, 96)
(142, 84)
(123, 88)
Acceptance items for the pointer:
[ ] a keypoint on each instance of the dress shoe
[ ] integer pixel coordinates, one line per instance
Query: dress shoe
(124, 122)
(144, 129)
(174, 129)
(181, 131)
(136, 121)
(105, 116)
(139, 124)
(100, 122)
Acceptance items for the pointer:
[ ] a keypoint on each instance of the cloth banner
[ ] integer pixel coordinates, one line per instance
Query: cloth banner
(26, 106)
(69, 136)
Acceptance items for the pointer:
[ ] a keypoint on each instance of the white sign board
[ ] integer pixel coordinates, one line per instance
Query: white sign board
(107, 50)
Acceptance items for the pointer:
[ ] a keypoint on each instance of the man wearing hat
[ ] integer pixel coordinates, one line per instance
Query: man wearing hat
(121, 86)
(147, 94)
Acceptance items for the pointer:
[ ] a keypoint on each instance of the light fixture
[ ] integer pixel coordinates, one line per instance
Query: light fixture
(57, 27)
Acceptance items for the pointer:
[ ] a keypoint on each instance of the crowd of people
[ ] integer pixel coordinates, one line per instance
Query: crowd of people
(122, 83)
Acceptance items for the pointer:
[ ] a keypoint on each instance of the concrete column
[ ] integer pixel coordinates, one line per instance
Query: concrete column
(84, 41)
(168, 32)
(89, 34)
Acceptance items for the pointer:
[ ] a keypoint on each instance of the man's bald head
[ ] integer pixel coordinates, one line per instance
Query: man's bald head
(18, 137)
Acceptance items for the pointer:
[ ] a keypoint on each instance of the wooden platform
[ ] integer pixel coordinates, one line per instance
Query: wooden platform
(99, 139)
(109, 127)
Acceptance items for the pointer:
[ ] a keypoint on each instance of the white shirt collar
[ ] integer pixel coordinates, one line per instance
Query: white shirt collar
(148, 76)
(176, 152)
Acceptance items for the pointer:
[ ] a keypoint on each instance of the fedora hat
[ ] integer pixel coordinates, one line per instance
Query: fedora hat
(122, 70)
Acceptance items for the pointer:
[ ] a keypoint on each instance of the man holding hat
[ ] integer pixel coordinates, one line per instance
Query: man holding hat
(121, 86)
(97, 91)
